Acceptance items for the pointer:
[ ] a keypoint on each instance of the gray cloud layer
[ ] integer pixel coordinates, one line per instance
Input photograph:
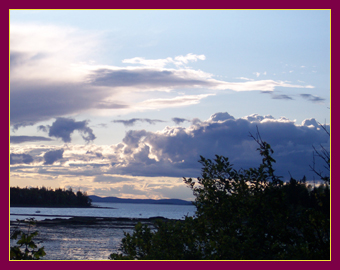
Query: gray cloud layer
(22, 139)
(31, 103)
(20, 158)
(144, 78)
(133, 121)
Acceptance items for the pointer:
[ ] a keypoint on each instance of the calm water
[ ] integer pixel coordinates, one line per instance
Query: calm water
(115, 210)
(74, 242)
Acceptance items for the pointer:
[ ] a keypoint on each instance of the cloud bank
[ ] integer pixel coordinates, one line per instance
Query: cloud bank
(143, 158)
(174, 151)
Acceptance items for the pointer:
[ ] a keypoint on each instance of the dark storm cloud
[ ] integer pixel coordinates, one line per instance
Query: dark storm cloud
(143, 78)
(176, 150)
(133, 121)
(312, 98)
(64, 127)
(21, 139)
(20, 158)
(178, 120)
(52, 156)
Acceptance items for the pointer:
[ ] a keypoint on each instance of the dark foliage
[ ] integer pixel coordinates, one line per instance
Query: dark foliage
(241, 215)
(25, 248)
(48, 197)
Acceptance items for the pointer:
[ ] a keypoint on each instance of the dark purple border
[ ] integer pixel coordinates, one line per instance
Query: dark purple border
(6, 264)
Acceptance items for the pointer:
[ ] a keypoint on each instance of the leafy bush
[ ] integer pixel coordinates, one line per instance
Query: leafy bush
(25, 248)
(241, 215)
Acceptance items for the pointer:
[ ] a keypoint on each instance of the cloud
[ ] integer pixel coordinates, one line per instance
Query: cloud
(132, 121)
(94, 165)
(42, 128)
(286, 97)
(152, 163)
(155, 79)
(261, 85)
(20, 158)
(52, 76)
(175, 151)
(220, 117)
(32, 102)
(172, 102)
(275, 96)
(112, 179)
(21, 139)
(244, 78)
(161, 63)
(178, 191)
(178, 120)
(64, 127)
(312, 98)
(52, 156)
(310, 122)
(150, 79)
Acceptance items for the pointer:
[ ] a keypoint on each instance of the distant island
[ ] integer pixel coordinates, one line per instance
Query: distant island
(95, 198)
(47, 197)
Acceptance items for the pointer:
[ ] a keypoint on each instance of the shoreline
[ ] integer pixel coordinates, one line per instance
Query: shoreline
(113, 222)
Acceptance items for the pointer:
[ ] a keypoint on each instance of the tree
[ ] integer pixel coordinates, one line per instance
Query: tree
(241, 215)
(325, 156)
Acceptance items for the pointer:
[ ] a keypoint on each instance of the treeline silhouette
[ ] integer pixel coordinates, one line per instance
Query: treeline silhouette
(48, 197)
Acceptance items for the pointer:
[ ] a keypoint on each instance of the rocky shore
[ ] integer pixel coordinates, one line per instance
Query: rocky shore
(118, 223)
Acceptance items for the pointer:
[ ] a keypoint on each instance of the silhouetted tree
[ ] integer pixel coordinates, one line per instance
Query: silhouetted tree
(241, 215)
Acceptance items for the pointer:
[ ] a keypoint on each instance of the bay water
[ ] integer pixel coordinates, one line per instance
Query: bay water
(74, 242)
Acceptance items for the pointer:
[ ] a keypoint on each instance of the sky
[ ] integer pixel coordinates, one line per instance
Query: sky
(124, 102)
